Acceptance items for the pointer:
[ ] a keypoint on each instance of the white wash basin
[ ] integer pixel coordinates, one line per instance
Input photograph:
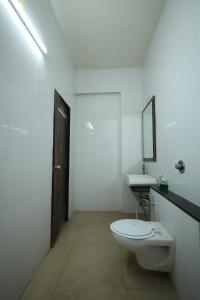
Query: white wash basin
(140, 180)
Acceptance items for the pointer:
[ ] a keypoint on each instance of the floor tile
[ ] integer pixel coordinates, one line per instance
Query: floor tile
(91, 293)
(96, 232)
(53, 265)
(44, 286)
(93, 265)
(99, 216)
(157, 294)
(68, 235)
(35, 292)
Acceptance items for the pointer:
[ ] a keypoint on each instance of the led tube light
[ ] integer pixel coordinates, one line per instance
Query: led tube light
(14, 4)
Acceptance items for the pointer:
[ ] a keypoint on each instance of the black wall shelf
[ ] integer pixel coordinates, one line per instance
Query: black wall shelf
(188, 207)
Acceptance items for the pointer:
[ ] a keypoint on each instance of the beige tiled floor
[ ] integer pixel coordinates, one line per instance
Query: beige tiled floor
(87, 264)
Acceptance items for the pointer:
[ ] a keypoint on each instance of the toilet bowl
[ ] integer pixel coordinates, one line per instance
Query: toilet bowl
(153, 245)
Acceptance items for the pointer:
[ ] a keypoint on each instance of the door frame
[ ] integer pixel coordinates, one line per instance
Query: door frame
(67, 157)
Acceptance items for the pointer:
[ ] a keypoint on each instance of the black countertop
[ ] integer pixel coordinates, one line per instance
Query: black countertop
(188, 207)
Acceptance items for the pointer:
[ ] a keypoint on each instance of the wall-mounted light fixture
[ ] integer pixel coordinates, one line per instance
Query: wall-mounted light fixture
(20, 13)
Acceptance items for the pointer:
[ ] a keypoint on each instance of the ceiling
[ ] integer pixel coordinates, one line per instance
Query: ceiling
(108, 33)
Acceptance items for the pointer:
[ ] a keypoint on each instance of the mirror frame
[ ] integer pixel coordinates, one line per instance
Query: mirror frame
(151, 102)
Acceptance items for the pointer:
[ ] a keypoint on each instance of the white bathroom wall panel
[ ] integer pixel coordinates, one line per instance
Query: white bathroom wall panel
(186, 231)
(171, 73)
(129, 83)
(98, 152)
(27, 82)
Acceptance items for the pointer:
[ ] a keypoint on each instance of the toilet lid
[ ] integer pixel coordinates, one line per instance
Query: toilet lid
(134, 228)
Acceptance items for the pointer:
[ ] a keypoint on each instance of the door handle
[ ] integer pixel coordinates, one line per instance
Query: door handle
(57, 167)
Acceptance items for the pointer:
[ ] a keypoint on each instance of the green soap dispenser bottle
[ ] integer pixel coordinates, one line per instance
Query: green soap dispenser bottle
(163, 186)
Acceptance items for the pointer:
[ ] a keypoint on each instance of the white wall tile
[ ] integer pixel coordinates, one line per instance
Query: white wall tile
(186, 271)
(27, 84)
(191, 250)
(129, 83)
(171, 70)
(171, 73)
(98, 152)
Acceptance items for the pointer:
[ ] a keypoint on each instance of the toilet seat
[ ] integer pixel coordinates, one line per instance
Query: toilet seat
(133, 228)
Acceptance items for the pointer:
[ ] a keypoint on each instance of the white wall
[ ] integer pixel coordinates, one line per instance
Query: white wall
(171, 73)
(185, 229)
(27, 82)
(98, 152)
(129, 83)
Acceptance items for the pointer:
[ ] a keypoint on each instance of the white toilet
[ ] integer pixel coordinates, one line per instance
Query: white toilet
(153, 245)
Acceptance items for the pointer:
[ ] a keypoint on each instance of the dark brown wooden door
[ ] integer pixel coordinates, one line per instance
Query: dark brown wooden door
(60, 179)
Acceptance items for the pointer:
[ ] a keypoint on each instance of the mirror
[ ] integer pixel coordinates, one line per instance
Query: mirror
(149, 131)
